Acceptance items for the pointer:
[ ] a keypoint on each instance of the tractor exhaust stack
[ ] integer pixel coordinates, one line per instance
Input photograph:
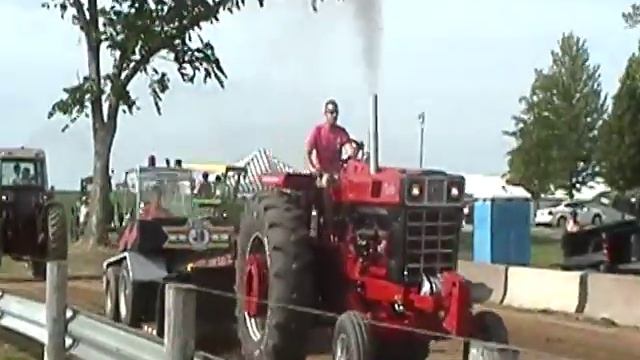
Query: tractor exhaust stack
(373, 135)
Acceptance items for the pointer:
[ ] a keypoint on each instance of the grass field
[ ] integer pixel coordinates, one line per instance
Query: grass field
(82, 262)
(545, 249)
(17, 347)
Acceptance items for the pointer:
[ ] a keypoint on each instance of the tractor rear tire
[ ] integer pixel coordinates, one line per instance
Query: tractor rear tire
(111, 277)
(273, 229)
(352, 339)
(57, 230)
(489, 327)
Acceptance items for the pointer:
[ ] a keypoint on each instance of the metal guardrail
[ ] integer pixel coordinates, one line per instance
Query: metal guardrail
(88, 336)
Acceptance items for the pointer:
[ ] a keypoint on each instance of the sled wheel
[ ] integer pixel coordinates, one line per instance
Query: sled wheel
(351, 338)
(274, 263)
(111, 278)
(129, 306)
(489, 327)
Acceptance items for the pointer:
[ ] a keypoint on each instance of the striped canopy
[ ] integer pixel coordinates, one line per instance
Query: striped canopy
(259, 163)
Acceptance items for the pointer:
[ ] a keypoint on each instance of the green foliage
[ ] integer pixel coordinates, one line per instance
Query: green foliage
(556, 130)
(631, 17)
(619, 145)
(138, 35)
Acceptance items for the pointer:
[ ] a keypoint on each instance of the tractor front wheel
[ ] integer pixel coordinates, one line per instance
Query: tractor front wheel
(490, 328)
(274, 265)
(351, 338)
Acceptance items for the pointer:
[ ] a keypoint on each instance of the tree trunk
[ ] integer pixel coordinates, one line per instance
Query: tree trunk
(103, 136)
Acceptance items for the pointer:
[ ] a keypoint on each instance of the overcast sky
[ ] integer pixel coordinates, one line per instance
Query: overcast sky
(464, 62)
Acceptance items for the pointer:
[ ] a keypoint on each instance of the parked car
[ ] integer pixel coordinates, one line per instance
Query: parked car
(558, 215)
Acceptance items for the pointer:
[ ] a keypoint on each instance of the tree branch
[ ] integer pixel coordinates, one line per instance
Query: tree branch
(82, 15)
(209, 12)
(143, 61)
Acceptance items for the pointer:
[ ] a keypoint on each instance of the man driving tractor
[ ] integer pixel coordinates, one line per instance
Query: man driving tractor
(154, 209)
(326, 142)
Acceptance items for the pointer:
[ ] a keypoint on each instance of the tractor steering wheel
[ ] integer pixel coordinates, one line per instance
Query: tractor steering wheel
(359, 150)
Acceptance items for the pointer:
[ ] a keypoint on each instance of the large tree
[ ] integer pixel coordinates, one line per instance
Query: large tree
(619, 146)
(134, 35)
(555, 133)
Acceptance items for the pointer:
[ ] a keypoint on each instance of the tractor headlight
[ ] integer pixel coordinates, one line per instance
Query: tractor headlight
(6, 197)
(455, 189)
(415, 190)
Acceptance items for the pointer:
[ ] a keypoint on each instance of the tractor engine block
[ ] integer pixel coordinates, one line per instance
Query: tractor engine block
(370, 231)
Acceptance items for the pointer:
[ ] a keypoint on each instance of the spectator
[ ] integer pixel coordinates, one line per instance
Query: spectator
(204, 189)
(573, 225)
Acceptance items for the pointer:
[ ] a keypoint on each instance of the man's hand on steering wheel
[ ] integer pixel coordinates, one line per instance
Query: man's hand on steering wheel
(355, 147)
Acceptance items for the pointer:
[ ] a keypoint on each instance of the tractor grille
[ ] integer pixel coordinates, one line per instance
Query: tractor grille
(431, 240)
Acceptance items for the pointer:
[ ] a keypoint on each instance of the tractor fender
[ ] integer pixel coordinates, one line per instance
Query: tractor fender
(142, 268)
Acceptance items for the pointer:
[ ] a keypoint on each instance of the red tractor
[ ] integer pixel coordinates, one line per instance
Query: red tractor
(386, 265)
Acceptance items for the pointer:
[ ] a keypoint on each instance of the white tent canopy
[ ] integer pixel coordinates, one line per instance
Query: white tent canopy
(587, 192)
(493, 186)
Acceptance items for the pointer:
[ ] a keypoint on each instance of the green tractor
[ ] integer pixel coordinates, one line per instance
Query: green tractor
(222, 206)
(163, 240)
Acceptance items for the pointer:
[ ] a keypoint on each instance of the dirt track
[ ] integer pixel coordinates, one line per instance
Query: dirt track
(559, 336)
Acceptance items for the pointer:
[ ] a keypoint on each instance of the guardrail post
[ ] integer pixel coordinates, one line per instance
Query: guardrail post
(56, 306)
(180, 321)
(56, 297)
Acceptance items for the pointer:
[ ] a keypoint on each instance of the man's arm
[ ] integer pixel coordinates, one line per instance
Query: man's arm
(347, 141)
(310, 146)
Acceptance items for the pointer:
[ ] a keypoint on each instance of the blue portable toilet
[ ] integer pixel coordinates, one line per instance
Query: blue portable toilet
(502, 229)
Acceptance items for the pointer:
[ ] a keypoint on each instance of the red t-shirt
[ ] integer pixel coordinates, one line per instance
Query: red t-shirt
(327, 141)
